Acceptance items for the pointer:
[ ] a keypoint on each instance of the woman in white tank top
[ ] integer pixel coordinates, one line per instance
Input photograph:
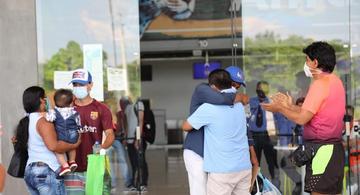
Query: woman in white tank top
(38, 137)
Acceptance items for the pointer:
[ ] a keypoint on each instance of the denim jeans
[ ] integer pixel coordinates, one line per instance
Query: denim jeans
(119, 149)
(41, 180)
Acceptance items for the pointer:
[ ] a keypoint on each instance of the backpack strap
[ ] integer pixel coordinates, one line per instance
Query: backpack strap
(136, 111)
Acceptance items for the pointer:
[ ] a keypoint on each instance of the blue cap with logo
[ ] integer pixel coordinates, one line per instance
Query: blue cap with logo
(81, 76)
(236, 74)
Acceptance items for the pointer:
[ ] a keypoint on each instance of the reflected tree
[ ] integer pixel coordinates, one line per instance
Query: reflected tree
(66, 59)
(278, 61)
(71, 58)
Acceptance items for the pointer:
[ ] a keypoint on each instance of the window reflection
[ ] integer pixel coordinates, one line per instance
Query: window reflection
(64, 27)
(274, 43)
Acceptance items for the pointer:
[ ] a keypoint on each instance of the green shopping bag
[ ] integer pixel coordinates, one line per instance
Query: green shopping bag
(98, 180)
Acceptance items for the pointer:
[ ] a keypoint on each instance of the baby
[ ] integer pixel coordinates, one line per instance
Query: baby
(67, 124)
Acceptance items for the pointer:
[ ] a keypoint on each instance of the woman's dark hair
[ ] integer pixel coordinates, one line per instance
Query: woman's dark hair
(31, 103)
(220, 78)
(324, 53)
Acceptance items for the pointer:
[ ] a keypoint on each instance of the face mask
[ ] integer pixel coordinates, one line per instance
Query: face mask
(260, 93)
(47, 104)
(80, 92)
(307, 70)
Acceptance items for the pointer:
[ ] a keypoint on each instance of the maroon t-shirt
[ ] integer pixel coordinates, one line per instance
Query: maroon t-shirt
(95, 118)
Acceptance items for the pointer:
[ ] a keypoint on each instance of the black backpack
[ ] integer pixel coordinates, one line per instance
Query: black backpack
(149, 127)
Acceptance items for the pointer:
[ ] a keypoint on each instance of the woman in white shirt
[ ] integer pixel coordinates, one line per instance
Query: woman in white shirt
(38, 136)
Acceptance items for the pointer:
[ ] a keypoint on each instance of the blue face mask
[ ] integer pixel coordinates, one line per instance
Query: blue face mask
(80, 92)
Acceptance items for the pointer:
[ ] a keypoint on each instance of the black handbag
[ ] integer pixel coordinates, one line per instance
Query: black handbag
(20, 157)
(304, 154)
(18, 163)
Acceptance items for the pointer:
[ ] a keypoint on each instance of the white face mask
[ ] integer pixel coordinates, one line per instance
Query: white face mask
(307, 70)
(80, 92)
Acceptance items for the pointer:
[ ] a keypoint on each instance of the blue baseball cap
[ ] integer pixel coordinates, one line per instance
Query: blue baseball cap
(236, 74)
(81, 76)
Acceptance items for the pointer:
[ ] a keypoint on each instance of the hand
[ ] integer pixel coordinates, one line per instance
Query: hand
(271, 107)
(283, 99)
(136, 144)
(124, 142)
(243, 98)
(13, 140)
(176, 5)
(77, 144)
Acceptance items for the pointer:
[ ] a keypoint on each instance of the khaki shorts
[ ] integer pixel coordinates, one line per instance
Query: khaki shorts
(229, 183)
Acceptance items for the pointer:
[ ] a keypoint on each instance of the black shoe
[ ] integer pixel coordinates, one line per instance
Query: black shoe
(130, 188)
(297, 189)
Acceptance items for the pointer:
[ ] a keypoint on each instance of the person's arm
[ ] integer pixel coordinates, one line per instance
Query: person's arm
(125, 129)
(48, 134)
(300, 118)
(253, 158)
(140, 115)
(141, 122)
(186, 126)
(2, 177)
(109, 138)
(286, 100)
(201, 117)
(119, 123)
(208, 95)
(107, 125)
(255, 165)
(313, 101)
(315, 97)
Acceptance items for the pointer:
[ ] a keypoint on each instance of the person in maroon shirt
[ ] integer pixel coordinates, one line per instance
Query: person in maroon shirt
(96, 121)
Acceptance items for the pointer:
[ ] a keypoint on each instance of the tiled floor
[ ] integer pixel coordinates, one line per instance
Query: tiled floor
(167, 174)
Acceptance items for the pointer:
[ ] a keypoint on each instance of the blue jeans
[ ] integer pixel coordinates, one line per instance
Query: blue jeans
(41, 180)
(119, 148)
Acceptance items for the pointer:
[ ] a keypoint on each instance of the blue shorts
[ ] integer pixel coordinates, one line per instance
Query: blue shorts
(69, 136)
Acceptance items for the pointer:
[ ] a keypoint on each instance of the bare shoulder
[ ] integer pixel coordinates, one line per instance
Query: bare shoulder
(44, 124)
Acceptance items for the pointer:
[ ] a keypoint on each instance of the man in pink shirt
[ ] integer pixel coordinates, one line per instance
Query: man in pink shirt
(322, 116)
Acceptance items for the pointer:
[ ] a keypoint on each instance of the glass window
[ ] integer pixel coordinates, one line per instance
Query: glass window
(275, 32)
(107, 32)
(354, 46)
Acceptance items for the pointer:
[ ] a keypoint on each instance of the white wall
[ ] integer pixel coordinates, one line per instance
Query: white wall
(172, 86)
(18, 70)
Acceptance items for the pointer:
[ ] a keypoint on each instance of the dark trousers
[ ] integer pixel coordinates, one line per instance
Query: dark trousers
(137, 158)
(262, 142)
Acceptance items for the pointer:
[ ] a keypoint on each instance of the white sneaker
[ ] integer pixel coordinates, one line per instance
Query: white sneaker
(353, 188)
(143, 188)
(130, 189)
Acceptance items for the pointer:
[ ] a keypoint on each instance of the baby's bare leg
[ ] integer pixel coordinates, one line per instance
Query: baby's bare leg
(72, 155)
(62, 160)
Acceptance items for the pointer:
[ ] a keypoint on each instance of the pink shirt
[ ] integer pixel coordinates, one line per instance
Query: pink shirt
(326, 100)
